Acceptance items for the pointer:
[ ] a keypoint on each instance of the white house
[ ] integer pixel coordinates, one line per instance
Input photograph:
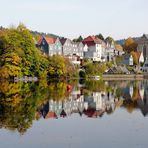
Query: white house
(95, 49)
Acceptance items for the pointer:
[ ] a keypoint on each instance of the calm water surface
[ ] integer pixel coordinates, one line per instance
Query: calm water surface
(74, 115)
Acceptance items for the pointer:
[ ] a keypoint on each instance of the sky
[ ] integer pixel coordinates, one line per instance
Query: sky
(71, 18)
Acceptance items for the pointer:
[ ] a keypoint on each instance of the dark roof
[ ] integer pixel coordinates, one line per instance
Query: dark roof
(63, 40)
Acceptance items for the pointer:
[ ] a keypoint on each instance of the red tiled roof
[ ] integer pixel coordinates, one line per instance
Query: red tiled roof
(92, 40)
(88, 39)
(50, 40)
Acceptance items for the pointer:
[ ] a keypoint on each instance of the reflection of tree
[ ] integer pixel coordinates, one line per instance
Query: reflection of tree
(130, 105)
(93, 85)
(18, 104)
(58, 91)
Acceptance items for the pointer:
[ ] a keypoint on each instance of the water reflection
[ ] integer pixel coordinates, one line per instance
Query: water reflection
(21, 103)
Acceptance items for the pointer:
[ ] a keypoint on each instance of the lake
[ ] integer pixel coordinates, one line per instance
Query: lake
(74, 114)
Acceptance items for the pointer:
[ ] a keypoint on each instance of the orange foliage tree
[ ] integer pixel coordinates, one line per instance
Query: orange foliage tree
(130, 45)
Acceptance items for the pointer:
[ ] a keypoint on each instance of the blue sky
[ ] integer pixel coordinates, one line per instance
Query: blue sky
(71, 18)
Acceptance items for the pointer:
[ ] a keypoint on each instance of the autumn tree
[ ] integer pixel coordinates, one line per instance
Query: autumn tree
(18, 54)
(135, 56)
(130, 45)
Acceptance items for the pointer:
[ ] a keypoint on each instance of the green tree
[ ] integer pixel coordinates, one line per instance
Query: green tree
(100, 36)
(109, 40)
(79, 39)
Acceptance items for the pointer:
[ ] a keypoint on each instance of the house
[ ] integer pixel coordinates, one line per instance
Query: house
(143, 45)
(128, 60)
(96, 48)
(68, 47)
(50, 45)
(109, 50)
(80, 50)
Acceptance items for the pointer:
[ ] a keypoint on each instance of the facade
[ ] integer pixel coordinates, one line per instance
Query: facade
(143, 45)
(80, 50)
(96, 48)
(50, 46)
(68, 47)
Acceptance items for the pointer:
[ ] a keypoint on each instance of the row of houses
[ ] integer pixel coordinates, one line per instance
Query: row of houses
(91, 47)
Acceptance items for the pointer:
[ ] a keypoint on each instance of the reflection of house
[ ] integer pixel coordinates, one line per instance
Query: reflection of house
(143, 104)
(93, 105)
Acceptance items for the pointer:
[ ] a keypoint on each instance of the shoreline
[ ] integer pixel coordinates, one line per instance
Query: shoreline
(125, 76)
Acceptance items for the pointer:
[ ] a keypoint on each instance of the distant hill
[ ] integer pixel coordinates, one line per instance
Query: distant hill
(43, 34)
(121, 41)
